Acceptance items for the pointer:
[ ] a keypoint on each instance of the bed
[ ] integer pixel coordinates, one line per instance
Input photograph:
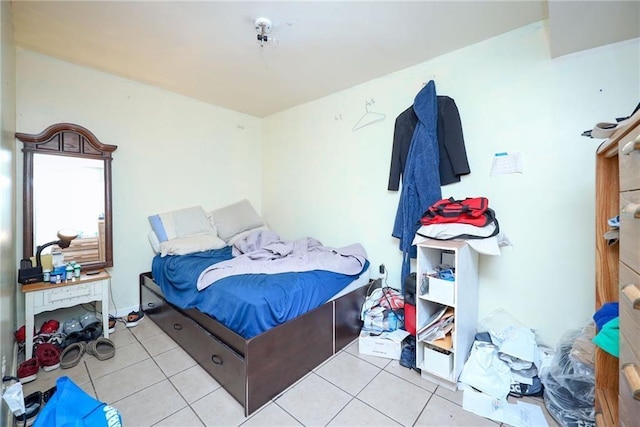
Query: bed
(253, 363)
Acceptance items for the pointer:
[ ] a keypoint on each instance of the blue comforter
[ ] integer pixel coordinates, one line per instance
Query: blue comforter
(249, 304)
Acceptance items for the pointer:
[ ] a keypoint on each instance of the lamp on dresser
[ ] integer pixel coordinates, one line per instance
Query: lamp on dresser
(29, 274)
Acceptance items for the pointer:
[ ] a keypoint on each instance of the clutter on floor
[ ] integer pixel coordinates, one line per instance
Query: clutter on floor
(63, 345)
(383, 319)
(569, 383)
(505, 360)
(25, 409)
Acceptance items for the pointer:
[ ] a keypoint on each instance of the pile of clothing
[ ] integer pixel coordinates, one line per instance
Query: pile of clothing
(383, 310)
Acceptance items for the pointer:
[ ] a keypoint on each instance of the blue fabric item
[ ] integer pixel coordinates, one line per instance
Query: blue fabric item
(70, 406)
(158, 228)
(421, 177)
(249, 304)
(605, 313)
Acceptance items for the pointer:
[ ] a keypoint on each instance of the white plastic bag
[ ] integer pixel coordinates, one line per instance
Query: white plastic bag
(15, 398)
(486, 372)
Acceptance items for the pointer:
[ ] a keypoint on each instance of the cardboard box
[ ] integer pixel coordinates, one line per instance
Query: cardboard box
(441, 291)
(438, 363)
(388, 344)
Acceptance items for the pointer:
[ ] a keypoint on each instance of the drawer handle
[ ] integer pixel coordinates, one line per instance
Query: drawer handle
(633, 379)
(177, 326)
(216, 359)
(631, 146)
(632, 209)
(632, 293)
(150, 304)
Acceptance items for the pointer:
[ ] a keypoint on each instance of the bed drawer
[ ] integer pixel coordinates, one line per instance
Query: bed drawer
(220, 361)
(155, 306)
(213, 355)
(630, 229)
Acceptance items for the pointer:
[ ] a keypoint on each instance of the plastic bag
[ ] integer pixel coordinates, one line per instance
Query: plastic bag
(383, 310)
(569, 386)
(15, 398)
(70, 406)
(486, 372)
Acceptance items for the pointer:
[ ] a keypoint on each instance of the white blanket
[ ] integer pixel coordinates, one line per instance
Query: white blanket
(267, 254)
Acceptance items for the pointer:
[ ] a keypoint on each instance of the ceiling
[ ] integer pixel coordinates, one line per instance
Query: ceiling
(208, 50)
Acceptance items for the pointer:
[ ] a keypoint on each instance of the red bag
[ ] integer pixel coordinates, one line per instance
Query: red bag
(472, 210)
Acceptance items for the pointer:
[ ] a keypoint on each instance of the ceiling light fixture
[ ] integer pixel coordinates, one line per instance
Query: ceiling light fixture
(263, 27)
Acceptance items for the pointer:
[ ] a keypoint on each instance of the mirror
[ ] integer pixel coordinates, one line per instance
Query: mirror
(67, 184)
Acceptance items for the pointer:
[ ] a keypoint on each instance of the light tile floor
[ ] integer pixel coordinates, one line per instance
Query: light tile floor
(153, 382)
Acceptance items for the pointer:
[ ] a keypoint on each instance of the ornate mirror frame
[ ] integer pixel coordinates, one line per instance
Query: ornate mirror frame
(71, 140)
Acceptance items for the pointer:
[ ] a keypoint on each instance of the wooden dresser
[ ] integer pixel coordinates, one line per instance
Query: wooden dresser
(618, 274)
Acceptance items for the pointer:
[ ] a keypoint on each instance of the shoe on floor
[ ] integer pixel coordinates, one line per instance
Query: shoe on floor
(49, 327)
(20, 334)
(88, 318)
(71, 325)
(72, 338)
(102, 348)
(92, 331)
(49, 356)
(112, 324)
(134, 318)
(47, 394)
(72, 354)
(32, 406)
(28, 370)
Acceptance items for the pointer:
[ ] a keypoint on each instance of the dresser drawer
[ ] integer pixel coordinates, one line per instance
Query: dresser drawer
(629, 409)
(630, 229)
(630, 306)
(629, 160)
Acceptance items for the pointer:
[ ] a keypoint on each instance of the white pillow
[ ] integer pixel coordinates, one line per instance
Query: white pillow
(236, 218)
(155, 243)
(186, 222)
(191, 244)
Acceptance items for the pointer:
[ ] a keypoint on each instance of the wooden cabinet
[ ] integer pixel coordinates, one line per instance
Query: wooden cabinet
(629, 365)
(43, 296)
(618, 274)
(442, 361)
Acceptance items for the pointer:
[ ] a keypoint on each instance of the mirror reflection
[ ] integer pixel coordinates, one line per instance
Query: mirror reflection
(67, 185)
(68, 192)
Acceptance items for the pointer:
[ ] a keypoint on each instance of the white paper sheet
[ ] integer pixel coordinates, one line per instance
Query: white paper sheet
(517, 414)
(506, 162)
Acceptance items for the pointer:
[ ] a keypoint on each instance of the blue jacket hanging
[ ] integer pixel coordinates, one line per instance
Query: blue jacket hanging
(421, 178)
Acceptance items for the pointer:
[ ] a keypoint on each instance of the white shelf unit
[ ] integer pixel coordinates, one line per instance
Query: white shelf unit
(461, 295)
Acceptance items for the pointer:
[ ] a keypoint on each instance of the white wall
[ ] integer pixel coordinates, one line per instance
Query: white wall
(322, 179)
(173, 152)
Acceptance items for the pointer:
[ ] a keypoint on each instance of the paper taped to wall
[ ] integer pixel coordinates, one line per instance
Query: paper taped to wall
(506, 162)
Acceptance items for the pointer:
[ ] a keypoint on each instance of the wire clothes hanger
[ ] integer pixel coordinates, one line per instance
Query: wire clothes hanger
(369, 117)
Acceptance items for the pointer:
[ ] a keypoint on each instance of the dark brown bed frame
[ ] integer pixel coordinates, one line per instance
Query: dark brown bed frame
(256, 370)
